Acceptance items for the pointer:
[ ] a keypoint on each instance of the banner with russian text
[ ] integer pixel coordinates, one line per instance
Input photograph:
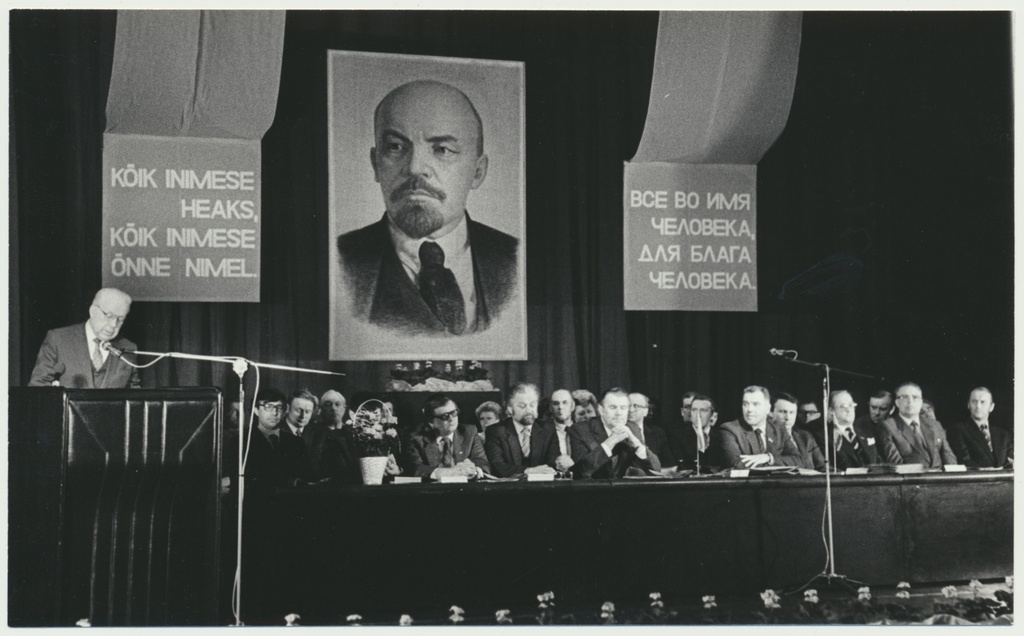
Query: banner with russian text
(182, 218)
(690, 237)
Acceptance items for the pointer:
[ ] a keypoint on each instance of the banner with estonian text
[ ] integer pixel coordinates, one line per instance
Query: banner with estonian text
(181, 218)
(690, 237)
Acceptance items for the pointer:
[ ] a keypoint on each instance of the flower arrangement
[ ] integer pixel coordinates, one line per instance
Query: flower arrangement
(405, 620)
(456, 615)
(373, 430)
(864, 593)
(770, 598)
(903, 590)
(811, 596)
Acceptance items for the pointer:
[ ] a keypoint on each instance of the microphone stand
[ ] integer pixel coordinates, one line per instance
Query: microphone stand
(240, 366)
(829, 575)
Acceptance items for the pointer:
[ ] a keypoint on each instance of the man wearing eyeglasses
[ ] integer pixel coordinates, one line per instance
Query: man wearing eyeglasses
(89, 355)
(849, 445)
(443, 448)
(520, 444)
(908, 438)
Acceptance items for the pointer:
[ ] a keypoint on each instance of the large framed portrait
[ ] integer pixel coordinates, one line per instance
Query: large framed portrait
(427, 207)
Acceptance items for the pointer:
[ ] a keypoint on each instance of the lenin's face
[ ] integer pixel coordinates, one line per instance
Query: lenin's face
(427, 156)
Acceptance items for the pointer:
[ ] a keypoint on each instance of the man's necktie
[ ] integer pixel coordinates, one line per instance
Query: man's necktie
(986, 433)
(446, 453)
(440, 290)
(916, 427)
(524, 441)
(274, 441)
(97, 355)
(851, 437)
(760, 440)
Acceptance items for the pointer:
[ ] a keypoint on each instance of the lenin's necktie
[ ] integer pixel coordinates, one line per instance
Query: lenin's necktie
(440, 290)
(446, 453)
(524, 441)
(985, 432)
(97, 355)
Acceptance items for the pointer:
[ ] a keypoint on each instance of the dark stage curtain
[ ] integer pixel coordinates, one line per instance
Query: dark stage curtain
(892, 182)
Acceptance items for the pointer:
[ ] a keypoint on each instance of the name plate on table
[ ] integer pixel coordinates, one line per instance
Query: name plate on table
(408, 480)
(540, 476)
(739, 472)
(453, 479)
(954, 468)
(856, 470)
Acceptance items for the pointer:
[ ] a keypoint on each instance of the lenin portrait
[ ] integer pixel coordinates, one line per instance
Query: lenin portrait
(426, 202)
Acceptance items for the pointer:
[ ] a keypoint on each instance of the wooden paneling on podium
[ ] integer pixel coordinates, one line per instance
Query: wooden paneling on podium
(113, 506)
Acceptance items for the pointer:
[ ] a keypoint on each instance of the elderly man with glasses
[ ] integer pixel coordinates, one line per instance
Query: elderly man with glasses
(443, 448)
(90, 355)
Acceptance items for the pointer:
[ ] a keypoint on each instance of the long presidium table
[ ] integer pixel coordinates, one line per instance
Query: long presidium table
(401, 548)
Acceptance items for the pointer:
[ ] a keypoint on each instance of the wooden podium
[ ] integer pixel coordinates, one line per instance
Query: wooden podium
(114, 511)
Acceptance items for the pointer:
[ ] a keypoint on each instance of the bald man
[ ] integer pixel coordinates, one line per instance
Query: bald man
(88, 355)
(426, 268)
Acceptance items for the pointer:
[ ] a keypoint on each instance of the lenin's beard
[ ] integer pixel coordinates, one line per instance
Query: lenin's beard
(417, 218)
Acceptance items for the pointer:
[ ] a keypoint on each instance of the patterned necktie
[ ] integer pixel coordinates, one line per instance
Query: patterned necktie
(97, 355)
(524, 441)
(986, 433)
(760, 440)
(440, 290)
(446, 453)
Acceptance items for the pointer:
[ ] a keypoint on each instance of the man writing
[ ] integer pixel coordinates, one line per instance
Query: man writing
(426, 268)
(608, 446)
(756, 441)
(88, 355)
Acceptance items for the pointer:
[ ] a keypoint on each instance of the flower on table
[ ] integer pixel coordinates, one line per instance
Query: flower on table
(770, 598)
(405, 620)
(709, 601)
(546, 599)
(949, 591)
(810, 596)
(457, 613)
(607, 609)
(292, 620)
(975, 586)
(353, 619)
(83, 622)
(903, 590)
(501, 616)
(656, 599)
(864, 593)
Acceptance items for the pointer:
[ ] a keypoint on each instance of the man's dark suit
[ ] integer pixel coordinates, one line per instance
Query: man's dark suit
(294, 455)
(385, 296)
(900, 447)
(422, 454)
(847, 454)
(682, 440)
(968, 444)
(592, 462)
(505, 454)
(809, 449)
(656, 441)
(68, 346)
(737, 438)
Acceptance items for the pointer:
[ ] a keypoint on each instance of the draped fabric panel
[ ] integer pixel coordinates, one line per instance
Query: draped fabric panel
(891, 186)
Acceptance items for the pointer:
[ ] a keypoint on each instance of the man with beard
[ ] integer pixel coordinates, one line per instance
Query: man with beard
(562, 410)
(608, 445)
(520, 444)
(426, 268)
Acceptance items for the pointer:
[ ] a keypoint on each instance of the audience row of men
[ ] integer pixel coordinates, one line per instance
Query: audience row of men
(574, 434)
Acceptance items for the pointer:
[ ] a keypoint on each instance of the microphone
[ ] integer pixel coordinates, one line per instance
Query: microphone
(112, 349)
(776, 352)
(58, 370)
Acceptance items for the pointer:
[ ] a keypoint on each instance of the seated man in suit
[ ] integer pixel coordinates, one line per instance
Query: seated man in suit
(652, 436)
(974, 442)
(426, 268)
(609, 446)
(297, 438)
(443, 448)
(784, 412)
(909, 438)
(264, 467)
(520, 444)
(562, 409)
(847, 445)
(89, 355)
(755, 440)
(690, 441)
(879, 408)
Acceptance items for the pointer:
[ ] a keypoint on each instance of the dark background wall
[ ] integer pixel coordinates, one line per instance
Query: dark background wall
(895, 170)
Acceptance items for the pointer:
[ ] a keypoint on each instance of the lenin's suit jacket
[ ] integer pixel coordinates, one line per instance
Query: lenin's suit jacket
(505, 454)
(737, 438)
(592, 462)
(968, 444)
(849, 455)
(422, 454)
(900, 447)
(68, 346)
(385, 296)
